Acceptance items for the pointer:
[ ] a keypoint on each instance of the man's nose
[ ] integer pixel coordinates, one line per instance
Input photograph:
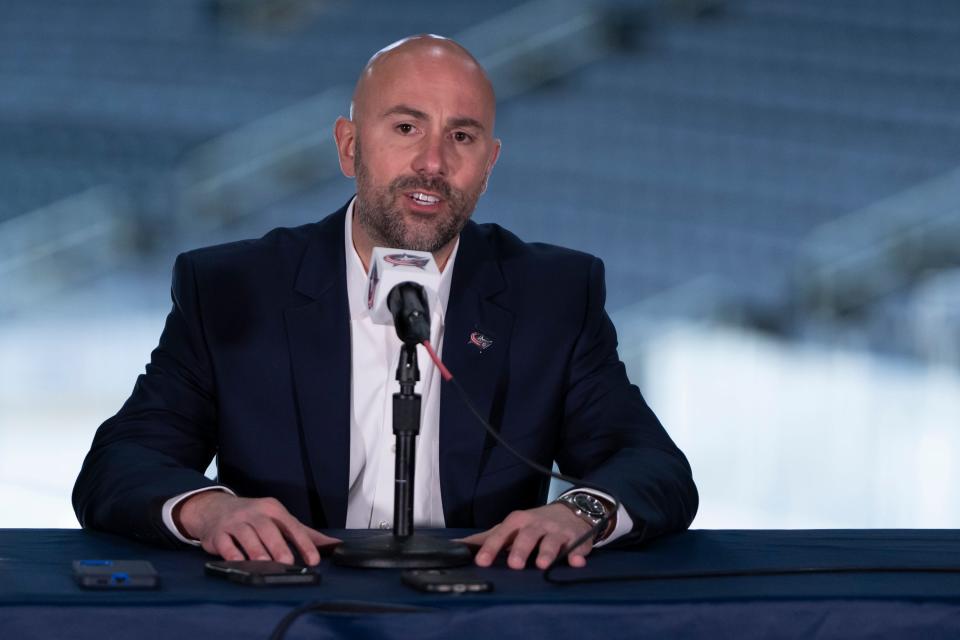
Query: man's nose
(431, 158)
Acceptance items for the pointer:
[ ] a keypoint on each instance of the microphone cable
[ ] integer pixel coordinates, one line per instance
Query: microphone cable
(671, 575)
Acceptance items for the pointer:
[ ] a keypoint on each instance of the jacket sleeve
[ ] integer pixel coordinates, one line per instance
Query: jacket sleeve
(163, 438)
(611, 438)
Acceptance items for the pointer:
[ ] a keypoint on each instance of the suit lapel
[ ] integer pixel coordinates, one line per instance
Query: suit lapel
(318, 334)
(471, 312)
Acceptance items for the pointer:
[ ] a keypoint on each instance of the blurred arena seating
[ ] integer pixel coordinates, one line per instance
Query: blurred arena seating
(782, 165)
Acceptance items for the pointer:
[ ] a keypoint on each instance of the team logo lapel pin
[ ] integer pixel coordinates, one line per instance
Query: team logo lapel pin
(480, 341)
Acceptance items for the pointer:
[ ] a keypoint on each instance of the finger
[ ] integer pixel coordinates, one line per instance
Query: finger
(325, 544)
(250, 542)
(550, 546)
(207, 544)
(578, 557)
(473, 542)
(584, 548)
(576, 560)
(316, 532)
(523, 545)
(319, 538)
(225, 547)
(475, 539)
(294, 531)
(273, 540)
(496, 539)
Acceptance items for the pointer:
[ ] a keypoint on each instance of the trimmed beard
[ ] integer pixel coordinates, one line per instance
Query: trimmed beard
(386, 223)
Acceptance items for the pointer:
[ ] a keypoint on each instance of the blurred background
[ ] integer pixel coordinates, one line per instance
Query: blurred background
(773, 185)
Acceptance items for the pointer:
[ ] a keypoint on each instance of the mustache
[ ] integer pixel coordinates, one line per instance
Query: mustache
(435, 184)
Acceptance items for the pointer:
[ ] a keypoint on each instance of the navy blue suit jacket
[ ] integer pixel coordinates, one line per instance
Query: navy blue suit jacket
(254, 365)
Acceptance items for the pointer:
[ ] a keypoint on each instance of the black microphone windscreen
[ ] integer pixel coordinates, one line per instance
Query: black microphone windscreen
(407, 302)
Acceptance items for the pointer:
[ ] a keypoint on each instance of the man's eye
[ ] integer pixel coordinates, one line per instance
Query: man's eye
(404, 128)
(460, 136)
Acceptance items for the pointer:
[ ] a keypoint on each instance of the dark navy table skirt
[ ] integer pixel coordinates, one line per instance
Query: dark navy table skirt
(905, 594)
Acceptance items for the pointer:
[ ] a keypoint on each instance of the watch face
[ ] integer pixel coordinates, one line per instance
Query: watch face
(589, 505)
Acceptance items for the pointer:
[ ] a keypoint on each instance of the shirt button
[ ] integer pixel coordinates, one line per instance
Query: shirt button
(384, 524)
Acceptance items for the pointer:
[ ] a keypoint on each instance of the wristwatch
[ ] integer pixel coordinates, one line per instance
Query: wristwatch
(588, 507)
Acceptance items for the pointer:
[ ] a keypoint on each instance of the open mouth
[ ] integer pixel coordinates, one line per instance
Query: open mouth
(424, 199)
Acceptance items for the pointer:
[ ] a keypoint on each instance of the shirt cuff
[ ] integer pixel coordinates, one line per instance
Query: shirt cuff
(170, 505)
(624, 521)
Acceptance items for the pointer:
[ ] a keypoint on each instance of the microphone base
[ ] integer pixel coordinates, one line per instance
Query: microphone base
(412, 552)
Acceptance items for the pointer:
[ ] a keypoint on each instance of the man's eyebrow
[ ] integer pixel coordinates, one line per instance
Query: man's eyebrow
(404, 110)
(465, 122)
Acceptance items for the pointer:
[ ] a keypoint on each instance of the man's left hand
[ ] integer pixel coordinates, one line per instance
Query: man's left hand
(549, 529)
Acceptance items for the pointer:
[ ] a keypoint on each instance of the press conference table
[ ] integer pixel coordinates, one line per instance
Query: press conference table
(38, 598)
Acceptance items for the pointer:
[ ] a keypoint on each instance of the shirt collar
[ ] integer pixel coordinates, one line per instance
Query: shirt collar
(357, 275)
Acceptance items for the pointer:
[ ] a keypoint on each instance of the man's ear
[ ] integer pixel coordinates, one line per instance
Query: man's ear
(345, 134)
(493, 161)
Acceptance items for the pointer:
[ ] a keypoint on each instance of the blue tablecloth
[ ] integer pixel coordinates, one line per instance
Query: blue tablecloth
(38, 598)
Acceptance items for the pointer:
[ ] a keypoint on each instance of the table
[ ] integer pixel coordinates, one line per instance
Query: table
(38, 598)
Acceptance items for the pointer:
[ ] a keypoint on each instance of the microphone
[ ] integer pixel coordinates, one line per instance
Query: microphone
(401, 287)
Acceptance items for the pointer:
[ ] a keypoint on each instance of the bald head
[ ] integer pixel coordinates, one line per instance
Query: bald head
(428, 52)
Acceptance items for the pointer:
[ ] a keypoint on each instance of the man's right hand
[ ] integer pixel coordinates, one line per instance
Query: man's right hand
(261, 528)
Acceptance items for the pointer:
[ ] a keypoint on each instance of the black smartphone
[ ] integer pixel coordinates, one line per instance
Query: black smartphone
(115, 574)
(446, 581)
(262, 572)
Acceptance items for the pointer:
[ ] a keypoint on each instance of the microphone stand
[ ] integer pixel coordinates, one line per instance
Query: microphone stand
(403, 549)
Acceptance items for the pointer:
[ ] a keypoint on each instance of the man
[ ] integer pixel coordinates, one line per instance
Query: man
(270, 360)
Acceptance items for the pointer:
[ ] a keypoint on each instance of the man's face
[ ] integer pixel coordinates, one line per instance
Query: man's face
(422, 150)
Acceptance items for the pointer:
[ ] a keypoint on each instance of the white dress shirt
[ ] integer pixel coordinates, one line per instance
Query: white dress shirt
(375, 351)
